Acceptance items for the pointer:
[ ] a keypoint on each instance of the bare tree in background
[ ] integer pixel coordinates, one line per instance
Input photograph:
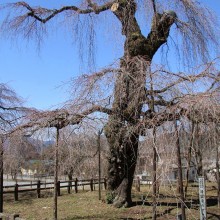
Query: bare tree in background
(10, 112)
(129, 112)
(17, 151)
(77, 154)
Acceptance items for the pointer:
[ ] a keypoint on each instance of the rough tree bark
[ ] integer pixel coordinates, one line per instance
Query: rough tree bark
(121, 130)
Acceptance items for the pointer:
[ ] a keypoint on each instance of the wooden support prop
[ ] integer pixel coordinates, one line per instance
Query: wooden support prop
(105, 183)
(138, 184)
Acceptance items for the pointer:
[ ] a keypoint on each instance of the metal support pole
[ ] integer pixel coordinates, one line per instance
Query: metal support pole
(1, 176)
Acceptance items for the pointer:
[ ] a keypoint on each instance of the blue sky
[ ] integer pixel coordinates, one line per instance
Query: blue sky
(42, 77)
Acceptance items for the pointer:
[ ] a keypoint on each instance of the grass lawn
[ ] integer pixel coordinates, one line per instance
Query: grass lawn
(85, 205)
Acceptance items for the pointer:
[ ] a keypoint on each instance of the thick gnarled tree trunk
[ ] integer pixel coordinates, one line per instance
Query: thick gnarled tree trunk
(122, 128)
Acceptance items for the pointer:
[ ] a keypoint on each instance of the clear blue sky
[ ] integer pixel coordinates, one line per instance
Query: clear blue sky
(41, 78)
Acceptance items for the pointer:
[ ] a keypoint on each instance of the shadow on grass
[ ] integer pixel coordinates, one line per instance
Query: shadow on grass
(188, 204)
(23, 198)
(193, 204)
(213, 215)
(98, 217)
(26, 197)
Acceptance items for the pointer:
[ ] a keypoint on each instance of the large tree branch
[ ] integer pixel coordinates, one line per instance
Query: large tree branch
(125, 12)
(58, 118)
(154, 119)
(41, 14)
(160, 29)
(14, 108)
(159, 102)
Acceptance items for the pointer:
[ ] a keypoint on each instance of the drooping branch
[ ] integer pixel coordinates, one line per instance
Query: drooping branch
(11, 109)
(197, 108)
(207, 73)
(159, 119)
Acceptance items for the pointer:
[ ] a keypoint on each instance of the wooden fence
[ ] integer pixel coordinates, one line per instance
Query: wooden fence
(39, 186)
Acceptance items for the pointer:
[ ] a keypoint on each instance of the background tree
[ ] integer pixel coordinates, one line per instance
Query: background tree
(10, 112)
(18, 152)
(129, 110)
(78, 153)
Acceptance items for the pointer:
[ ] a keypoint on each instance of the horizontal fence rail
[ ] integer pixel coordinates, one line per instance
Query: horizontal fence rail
(40, 185)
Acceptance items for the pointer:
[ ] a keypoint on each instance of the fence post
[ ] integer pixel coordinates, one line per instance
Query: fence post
(58, 188)
(69, 186)
(38, 189)
(16, 192)
(9, 216)
(138, 184)
(76, 185)
(179, 217)
(91, 184)
(105, 183)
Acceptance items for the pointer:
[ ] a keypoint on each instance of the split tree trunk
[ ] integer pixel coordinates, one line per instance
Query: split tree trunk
(122, 128)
